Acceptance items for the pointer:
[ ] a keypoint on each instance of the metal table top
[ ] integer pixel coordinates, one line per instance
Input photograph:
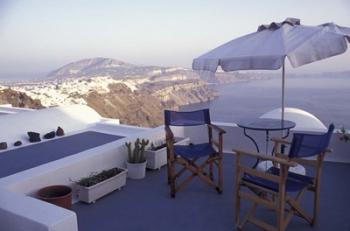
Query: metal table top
(266, 124)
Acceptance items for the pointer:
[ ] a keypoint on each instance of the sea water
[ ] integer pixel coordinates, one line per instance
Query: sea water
(325, 97)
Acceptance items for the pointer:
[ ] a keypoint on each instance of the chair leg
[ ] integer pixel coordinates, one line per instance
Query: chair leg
(280, 214)
(280, 210)
(168, 170)
(238, 206)
(196, 170)
(316, 207)
(172, 190)
(211, 169)
(317, 188)
(220, 177)
(298, 210)
(237, 190)
(248, 217)
(171, 178)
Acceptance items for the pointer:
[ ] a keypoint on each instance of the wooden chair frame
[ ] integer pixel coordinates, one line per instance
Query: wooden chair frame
(285, 205)
(192, 166)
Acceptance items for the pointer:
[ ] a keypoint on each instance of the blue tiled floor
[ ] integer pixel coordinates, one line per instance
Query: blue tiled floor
(145, 205)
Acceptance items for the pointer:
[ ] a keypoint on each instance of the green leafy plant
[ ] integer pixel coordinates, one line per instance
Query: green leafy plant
(96, 178)
(344, 135)
(136, 154)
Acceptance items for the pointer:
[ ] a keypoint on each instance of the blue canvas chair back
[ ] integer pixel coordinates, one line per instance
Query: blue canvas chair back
(306, 145)
(193, 118)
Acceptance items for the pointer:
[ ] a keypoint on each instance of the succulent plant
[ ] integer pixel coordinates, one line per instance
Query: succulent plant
(96, 178)
(136, 154)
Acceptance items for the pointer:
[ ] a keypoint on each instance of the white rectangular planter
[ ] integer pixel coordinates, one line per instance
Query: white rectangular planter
(92, 193)
(157, 159)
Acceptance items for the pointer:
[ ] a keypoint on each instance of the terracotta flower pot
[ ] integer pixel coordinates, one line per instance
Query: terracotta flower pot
(60, 195)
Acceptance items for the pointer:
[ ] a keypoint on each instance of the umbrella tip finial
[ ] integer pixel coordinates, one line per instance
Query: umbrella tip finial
(274, 25)
(292, 21)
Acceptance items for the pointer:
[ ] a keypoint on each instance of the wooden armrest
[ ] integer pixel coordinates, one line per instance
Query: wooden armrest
(220, 130)
(305, 161)
(282, 141)
(267, 157)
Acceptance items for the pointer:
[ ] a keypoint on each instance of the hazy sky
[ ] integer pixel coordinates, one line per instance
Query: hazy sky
(41, 35)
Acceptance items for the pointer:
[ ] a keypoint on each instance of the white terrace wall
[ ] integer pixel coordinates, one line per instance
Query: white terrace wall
(22, 213)
(71, 118)
(18, 190)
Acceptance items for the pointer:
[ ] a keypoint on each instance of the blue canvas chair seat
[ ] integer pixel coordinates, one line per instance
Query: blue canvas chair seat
(293, 176)
(194, 150)
(277, 188)
(292, 184)
(185, 156)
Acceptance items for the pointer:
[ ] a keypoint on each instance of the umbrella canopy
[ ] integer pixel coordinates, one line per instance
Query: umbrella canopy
(267, 48)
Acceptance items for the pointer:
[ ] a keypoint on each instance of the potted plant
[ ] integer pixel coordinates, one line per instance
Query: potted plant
(99, 184)
(156, 155)
(136, 163)
(60, 195)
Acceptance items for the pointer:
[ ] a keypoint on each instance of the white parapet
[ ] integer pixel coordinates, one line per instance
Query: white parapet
(14, 127)
(19, 208)
(23, 213)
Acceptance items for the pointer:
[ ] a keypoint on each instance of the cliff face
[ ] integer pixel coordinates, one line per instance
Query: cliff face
(134, 108)
(18, 99)
(175, 94)
(146, 107)
(131, 102)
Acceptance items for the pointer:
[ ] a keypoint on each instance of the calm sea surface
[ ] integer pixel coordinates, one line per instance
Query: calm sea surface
(325, 97)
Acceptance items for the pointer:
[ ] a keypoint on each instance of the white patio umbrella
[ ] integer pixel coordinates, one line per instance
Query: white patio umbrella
(267, 48)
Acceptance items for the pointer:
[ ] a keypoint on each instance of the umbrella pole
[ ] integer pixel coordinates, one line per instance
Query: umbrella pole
(283, 86)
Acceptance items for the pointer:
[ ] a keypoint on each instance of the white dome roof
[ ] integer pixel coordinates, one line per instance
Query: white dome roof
(303, 119)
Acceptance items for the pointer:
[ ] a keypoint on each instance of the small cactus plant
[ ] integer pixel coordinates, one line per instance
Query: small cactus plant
(136, 153)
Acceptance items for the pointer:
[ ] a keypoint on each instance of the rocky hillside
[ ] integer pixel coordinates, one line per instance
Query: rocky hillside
(110, 98)
(145, 106)
(177, 93)
(97, 67)
(18, 99)
(134, 108)
(134, 94)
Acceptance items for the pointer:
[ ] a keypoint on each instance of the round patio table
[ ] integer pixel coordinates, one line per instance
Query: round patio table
(267, 125)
